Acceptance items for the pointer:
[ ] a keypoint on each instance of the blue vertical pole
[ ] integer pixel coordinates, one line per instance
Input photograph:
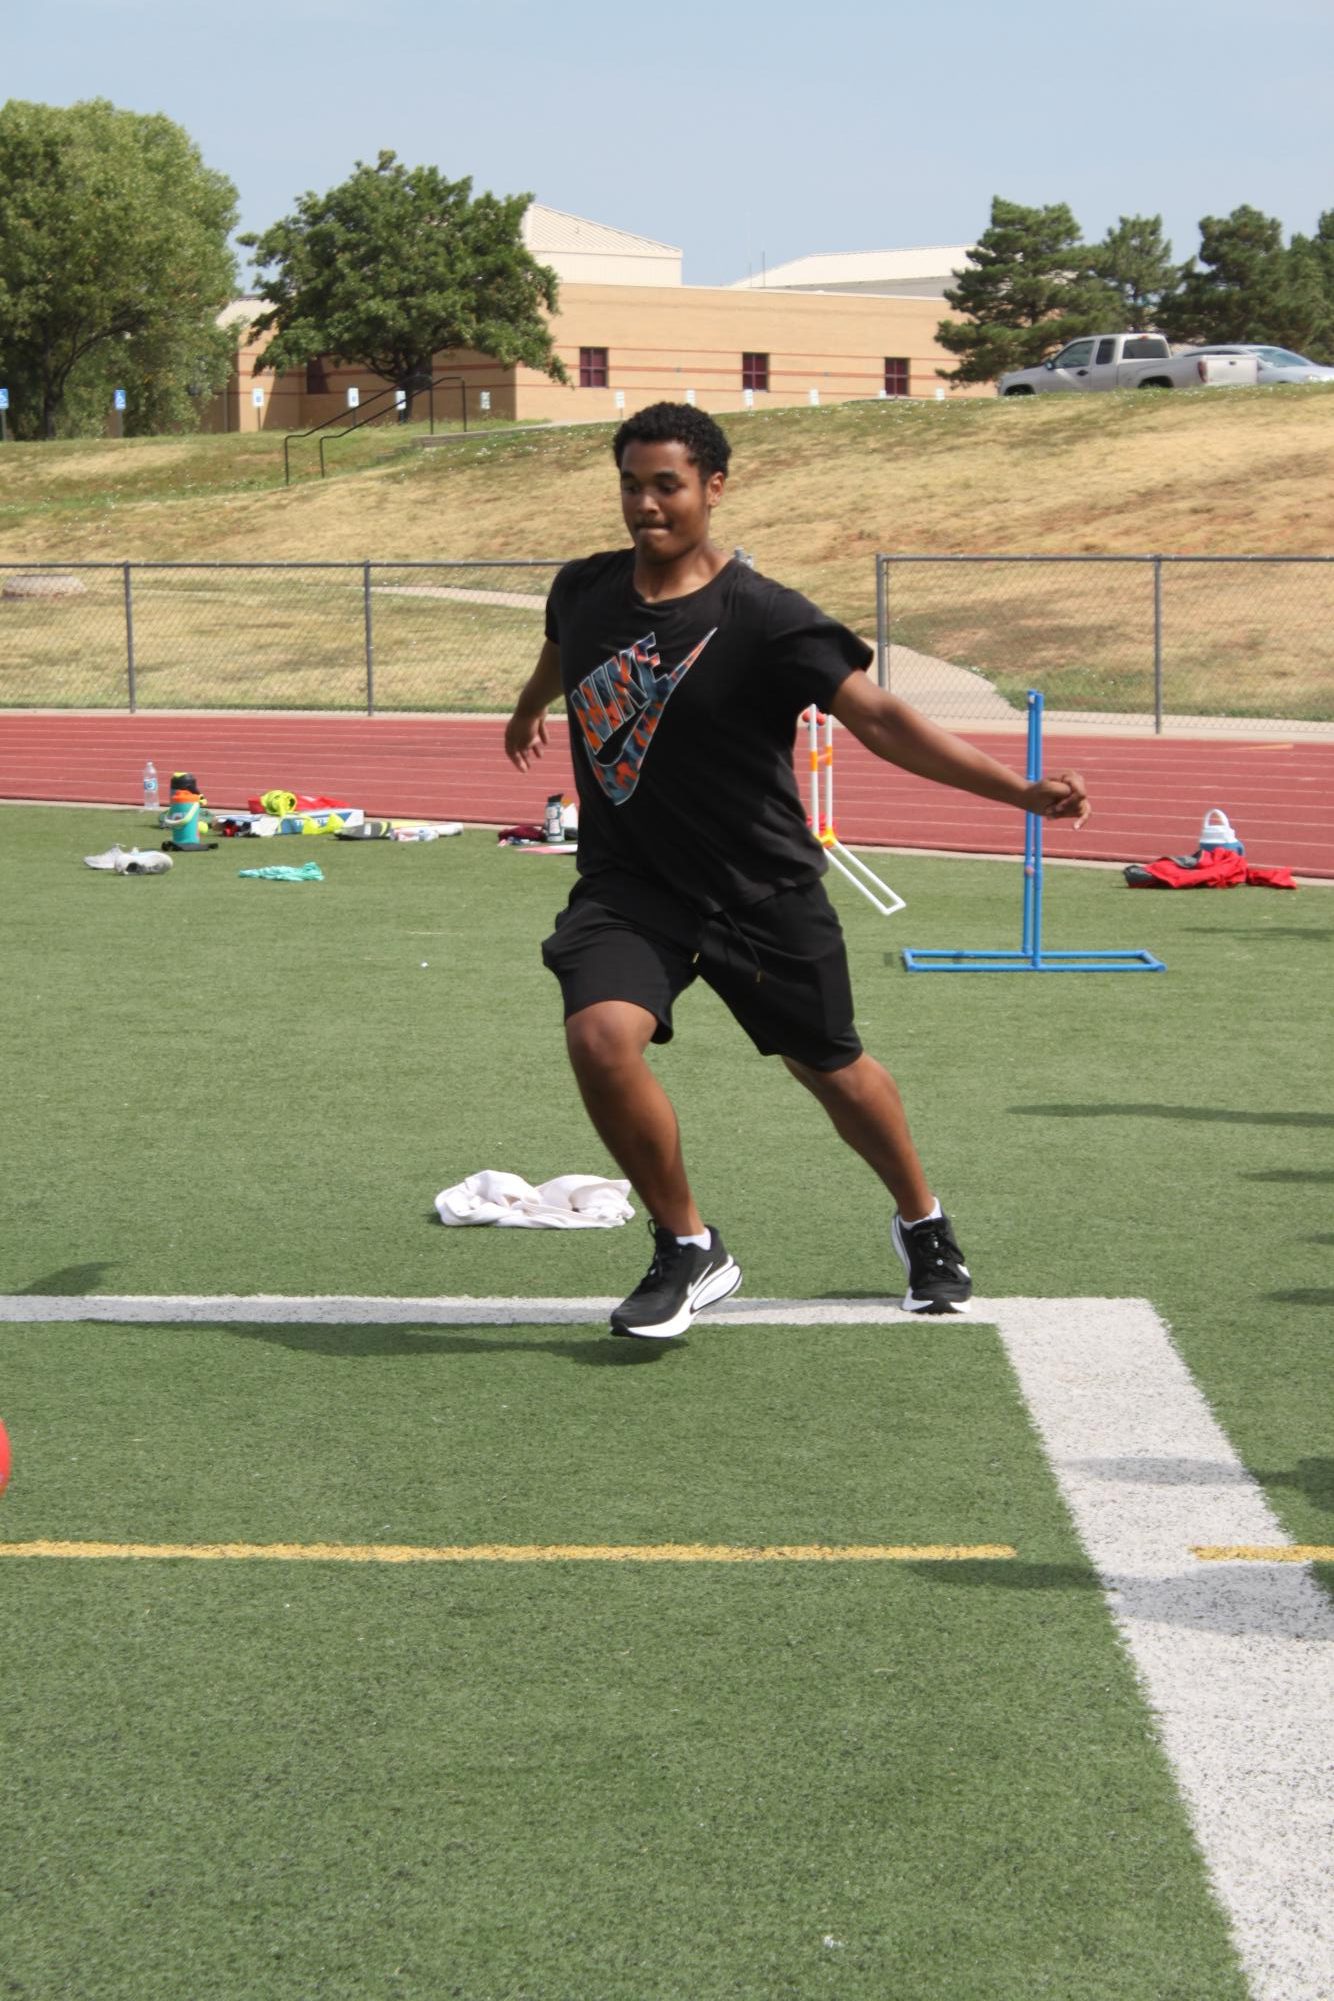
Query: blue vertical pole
(1033, 838)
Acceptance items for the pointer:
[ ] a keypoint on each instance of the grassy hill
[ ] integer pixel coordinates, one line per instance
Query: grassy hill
(814, 494)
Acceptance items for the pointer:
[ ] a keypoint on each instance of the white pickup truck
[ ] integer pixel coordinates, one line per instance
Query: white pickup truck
(1128, 361)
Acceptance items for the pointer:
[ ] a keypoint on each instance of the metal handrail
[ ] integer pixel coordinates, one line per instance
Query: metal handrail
(292, 437)
(371, 416)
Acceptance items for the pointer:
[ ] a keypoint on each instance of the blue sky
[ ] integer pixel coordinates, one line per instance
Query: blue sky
(742, 131)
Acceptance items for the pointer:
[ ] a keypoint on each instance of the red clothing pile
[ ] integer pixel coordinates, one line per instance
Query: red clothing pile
(1209, 868)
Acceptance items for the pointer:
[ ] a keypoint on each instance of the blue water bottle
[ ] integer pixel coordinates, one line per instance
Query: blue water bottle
(150, 787)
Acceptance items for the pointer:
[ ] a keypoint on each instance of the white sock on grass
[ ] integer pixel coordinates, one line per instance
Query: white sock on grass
(933, 1214)
(702, 1242)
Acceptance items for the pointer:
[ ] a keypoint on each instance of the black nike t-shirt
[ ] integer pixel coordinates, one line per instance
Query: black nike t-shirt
(682, 718)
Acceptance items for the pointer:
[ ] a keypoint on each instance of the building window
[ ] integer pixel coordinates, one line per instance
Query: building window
(754, 371)
(592, 368)
(896, 375)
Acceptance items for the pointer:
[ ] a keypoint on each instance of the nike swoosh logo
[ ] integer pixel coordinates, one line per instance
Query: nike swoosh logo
(610, 751)
(618, 758)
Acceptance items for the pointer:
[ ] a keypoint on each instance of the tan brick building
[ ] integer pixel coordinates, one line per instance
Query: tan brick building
(629, 332)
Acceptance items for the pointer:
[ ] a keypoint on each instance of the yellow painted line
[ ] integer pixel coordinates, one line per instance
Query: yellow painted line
(506, 1552)
(1283, 1552)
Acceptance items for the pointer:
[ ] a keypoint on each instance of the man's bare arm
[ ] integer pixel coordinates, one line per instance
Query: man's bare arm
(897, 733)
(526, 730)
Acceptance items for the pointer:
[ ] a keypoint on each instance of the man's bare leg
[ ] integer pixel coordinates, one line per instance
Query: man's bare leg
(863, 1101)
(633, 1115)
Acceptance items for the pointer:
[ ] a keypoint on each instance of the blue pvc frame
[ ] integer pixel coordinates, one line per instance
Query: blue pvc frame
(1030, 958)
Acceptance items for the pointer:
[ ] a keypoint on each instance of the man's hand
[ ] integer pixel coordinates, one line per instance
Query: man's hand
(1060, 798)
(525, 737)
(526, 730)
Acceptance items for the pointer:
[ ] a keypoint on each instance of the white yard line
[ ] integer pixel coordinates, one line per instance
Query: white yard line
(1236, 1660)
(338, 1309)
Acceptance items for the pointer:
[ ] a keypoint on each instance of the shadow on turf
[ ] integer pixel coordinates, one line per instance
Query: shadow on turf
(1261, 931)
(70, 1282)
(1313, 1478)
(1167, 1472)
(1012, 1576)
(594, 1351)
(1202, 1598)
(1203, 1114)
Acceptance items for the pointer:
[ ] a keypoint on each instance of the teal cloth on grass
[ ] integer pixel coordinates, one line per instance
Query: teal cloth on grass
(309, 872)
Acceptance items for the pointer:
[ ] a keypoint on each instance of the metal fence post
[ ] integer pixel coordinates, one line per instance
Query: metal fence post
(370, 638)
(129, 637)
(882, 620)
(1157, 645)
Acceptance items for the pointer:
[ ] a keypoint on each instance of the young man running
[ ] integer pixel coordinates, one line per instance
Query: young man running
(685, 672)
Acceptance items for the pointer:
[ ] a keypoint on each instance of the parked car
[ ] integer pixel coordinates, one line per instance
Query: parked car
(1275, 364)
(1129, 361)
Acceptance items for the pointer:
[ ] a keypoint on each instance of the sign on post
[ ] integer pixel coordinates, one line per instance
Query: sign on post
(400, 399)
(690, 396)
(619, 399)
(813, 397)
(748, 399)
(353, 396)
(118, 399)
(484, 398)
(4, 399)
(4, 427)
(257, 398)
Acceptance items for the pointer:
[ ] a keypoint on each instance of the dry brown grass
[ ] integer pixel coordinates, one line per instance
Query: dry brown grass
(263, 638)
(813, 495)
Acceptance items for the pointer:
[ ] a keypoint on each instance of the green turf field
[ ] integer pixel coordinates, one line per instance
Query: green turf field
(591, 1781)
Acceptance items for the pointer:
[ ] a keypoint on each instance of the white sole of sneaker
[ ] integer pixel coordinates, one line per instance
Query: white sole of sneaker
(909, 1303)
(713, 1287)
(937, 1306)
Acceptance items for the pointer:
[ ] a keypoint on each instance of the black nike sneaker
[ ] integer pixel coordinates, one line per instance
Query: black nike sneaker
(938, 1278)
(681, 1281)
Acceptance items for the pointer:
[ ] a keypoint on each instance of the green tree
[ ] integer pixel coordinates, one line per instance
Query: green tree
(1027, 289)
(114, 263)
(397, 263)
(1228, 292)
(1323, 245)
(1135, 260)
(1302, 314)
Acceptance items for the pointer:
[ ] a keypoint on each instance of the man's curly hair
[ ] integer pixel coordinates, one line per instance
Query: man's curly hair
(679, 423)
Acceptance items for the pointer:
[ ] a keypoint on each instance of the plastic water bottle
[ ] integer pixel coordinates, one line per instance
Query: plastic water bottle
(150, 787)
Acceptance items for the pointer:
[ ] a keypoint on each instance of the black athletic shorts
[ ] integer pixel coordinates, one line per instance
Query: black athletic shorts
(779, 966)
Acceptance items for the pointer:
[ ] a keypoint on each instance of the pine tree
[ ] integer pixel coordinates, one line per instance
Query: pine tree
(1228, 292)
(1135, 260)
(1302, 313)
(1027, 289)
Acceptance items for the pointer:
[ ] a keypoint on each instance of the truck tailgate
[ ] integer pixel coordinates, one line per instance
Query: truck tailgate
(1220, 370)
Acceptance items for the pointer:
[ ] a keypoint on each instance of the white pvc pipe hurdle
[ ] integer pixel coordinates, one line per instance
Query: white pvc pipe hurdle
(820, 743)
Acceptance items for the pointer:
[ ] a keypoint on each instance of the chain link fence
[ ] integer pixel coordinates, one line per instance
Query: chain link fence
(1214, 640)
(1222, 640)
(361, 637)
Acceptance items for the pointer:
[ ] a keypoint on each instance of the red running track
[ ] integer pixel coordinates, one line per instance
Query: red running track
(1150, 794)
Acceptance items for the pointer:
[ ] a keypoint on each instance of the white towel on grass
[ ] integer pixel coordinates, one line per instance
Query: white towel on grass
(570, 1202)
